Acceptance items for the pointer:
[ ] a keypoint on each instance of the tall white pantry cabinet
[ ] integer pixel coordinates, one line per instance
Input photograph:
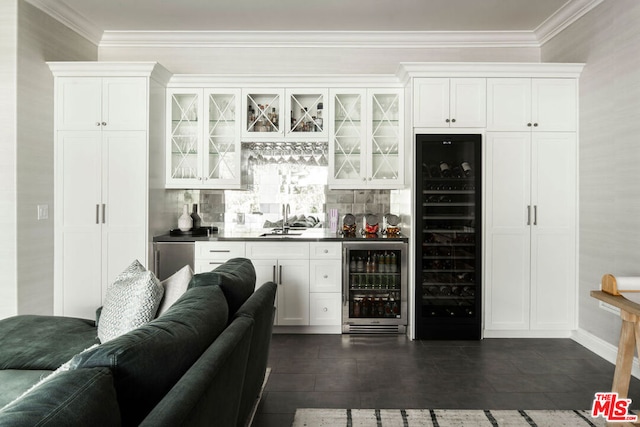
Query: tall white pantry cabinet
(530, 188)
(108, 118)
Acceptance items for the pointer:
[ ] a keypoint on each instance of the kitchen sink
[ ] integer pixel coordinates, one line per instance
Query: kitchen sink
(279, 234)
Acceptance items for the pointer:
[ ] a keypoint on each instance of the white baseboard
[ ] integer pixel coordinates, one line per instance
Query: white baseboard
(518, 333)
(607, 351)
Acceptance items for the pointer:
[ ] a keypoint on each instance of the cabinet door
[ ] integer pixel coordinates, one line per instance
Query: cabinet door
(305, 112)
(325, 309)
(555, 104)
(124, 202)
(468, 103)
(507, 245)
(293, 292)
(553, 235)
(385, 143)
(78, 232)
(263, 113)
(508, 104)
(222, 155)
(347, 146)
(431, 102)
(184, 140)
(124, 103)
(79, 103)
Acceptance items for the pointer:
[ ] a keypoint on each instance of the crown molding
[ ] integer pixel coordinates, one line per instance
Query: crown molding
(561, 19)
(70, 18)
(569, 13)
(329, 39)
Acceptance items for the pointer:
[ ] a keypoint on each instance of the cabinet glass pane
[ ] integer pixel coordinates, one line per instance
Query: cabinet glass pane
(263, 113)
(385, 134)
(347, 138)
(184, 136)
(222, 137)
(306, 113)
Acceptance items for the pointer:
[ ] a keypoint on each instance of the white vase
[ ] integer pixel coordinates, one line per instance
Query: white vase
(185, 222)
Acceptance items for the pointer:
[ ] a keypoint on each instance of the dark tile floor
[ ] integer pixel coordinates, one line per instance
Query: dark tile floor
(385, 372)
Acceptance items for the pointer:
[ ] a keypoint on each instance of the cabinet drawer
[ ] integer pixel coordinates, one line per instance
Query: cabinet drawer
(325, 276)
(219, 251)
(277, 250)
(326, 250)
(325, 309)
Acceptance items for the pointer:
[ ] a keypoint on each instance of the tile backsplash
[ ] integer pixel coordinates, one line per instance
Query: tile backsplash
(213, 211)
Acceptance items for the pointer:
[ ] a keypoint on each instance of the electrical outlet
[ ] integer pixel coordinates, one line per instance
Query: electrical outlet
(43, 212)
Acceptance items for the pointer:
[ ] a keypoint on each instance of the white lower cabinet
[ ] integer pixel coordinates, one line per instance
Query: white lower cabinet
(286, 264)
(325, 275)
(209, 255)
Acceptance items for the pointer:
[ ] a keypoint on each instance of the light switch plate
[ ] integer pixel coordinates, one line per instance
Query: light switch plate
(43, 212)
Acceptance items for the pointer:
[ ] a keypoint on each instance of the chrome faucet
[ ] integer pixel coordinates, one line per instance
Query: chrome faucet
(286, 209)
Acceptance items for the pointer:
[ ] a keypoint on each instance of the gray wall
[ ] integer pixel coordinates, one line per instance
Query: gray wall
(608, 40)
(28, 39)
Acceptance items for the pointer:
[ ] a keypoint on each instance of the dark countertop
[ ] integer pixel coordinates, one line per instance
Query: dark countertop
(308, 235)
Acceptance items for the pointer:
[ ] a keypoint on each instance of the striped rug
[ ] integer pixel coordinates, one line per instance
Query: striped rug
(443, 418)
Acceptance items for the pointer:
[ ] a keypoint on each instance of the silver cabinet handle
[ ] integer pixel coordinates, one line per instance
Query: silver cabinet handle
(529, 215)
(274, 274)
(535, 215)
(104, 208)
(219, 251)
(280, 275)
(97, 213)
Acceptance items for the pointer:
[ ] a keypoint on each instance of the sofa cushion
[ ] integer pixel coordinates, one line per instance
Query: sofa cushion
(131, 301)
(174, 286)
(236, 277)
(14, 382)
(84, 397)
(43, 342)
(146, 362)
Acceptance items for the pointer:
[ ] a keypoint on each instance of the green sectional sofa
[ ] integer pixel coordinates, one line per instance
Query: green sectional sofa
(200, 363)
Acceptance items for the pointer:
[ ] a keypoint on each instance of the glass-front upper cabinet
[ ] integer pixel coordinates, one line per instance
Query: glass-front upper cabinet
(204, 138)
(366, 143)
(262, 113)
(305, 112)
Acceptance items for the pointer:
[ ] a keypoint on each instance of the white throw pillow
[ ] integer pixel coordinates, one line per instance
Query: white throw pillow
(132, 300)
(174, 287)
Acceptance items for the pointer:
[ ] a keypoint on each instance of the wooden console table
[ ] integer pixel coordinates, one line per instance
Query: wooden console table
(629, 340)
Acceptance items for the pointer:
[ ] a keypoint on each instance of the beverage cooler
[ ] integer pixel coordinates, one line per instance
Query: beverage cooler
(448, 232)
(375, 287)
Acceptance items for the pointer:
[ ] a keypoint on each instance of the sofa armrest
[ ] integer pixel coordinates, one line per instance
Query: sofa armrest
(43, 342)
(209, 392)
(260, 308)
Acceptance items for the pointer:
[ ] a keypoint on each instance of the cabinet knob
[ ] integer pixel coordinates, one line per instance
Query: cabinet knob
(325, 309)
(447, 120)
(453, 120)
(103, 123)
(529, 124)
(326, 251)
(535, 125)
(364, 179)
(97, 123)
(325, 276)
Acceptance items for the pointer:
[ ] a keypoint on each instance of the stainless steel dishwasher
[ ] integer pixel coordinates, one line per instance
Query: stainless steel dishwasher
(169, 257)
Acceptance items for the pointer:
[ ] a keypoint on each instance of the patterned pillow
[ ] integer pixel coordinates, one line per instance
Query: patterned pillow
(174, 287)
(131, 301)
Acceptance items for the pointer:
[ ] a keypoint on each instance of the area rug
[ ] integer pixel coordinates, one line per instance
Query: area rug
(443, 418)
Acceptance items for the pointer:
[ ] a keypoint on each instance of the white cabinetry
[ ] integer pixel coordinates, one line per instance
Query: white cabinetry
(325, 275)
(210, 255)
(444, 102)
(539, 104)
(530, 251)
(101, 177)
(203, 138)
(286, 264)
(366, 145)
